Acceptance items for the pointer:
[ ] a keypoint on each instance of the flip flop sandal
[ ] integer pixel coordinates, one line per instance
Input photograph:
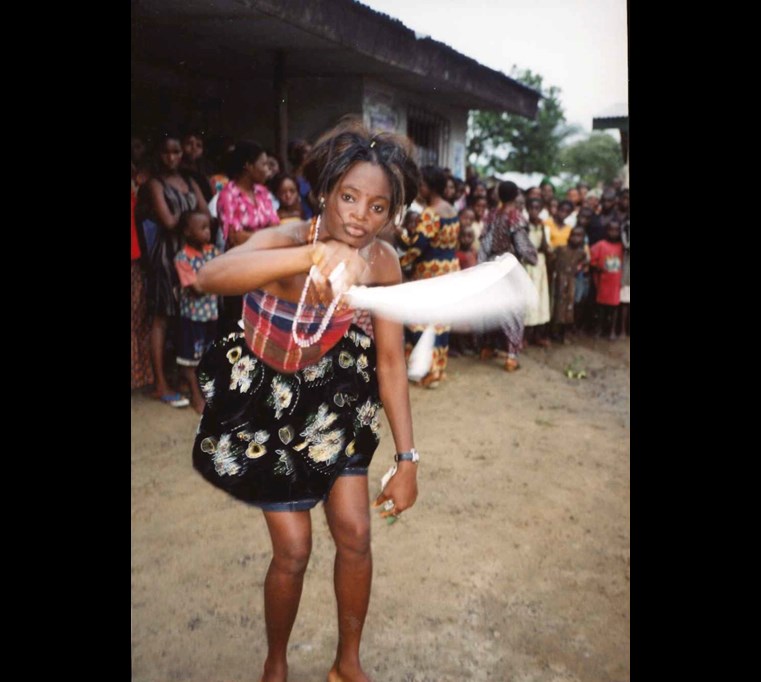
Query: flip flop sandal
(511, 364)
(174, 400)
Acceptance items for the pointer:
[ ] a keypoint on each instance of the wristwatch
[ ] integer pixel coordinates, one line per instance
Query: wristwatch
(411, 456)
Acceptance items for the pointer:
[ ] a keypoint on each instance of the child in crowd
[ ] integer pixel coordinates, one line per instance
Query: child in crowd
(198, 311)
(466, 252)
(464, 343)
(467, 217)
(583, 315)
(479, 206)
(559, 229)
(286, 190)
(607, 257)
(568, 262)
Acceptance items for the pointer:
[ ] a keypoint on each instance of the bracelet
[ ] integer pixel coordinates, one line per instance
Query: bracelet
(411, 456)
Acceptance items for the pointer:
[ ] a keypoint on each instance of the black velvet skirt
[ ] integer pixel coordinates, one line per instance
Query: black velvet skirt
(280, 440)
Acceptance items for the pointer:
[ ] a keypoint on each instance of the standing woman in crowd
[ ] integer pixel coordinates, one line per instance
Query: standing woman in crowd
(290, 423)
(297, 154)
(431, 250)
(286, 188)
(165, 197)
(193, 163)
(244, 207)
(538, 317)
(507, 232)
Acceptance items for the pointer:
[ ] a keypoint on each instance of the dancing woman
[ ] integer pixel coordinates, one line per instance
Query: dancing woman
(292, 415)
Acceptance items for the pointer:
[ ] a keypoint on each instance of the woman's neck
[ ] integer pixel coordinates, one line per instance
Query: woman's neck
(245, 183)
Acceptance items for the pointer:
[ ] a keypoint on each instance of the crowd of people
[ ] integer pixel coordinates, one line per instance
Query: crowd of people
(188, 209)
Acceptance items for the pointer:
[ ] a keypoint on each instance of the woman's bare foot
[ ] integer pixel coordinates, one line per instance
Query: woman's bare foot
(275, 672)
(346, 673)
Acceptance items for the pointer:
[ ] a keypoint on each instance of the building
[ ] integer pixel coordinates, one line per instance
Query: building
(286, 69)
(620, 122)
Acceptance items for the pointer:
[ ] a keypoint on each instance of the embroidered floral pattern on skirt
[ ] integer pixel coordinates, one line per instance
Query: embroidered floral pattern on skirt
(267, 436)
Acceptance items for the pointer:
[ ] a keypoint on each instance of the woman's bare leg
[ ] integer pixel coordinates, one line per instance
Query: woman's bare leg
(157, 343)
(291, 534)
(348, 514)
(196, 398)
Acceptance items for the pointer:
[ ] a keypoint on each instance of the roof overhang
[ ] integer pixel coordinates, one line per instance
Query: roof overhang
(608, 122)
(242, 40)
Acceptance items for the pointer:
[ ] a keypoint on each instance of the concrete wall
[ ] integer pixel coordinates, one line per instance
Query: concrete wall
(316, 104)
(167, 97)
(385, 108)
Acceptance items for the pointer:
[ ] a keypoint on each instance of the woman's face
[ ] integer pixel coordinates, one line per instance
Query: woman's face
(358, 207)
(450, 190)
(192, 148)
(479, 208)
(258, 170)
(576, 238)
(423, 190)
(274, 165)
(288, 193)
(170, 154)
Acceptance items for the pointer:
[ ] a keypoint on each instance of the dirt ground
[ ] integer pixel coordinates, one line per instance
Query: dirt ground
(513, 565)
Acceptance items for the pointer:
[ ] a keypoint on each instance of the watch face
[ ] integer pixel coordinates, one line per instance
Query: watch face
(411, 456)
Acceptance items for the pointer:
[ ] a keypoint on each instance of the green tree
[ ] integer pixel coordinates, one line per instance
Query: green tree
(596, 159)
(498, 141)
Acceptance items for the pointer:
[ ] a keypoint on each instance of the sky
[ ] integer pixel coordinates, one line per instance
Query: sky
(580, 46)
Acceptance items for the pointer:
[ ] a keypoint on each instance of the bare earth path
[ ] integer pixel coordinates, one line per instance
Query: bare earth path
(514, 564)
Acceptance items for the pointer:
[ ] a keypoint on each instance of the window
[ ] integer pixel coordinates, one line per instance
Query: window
(430, 134)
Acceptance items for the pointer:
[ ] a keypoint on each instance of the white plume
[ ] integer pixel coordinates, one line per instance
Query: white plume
(486, 296)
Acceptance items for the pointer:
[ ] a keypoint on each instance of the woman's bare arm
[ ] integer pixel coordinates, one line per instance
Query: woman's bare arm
(394, 387)
(159, 208)
(268, 256)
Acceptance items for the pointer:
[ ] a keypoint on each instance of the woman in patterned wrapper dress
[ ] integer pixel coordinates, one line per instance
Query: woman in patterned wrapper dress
(431, 250)
(293, 401)
(506, 232)
(244, 207)
(163, 199)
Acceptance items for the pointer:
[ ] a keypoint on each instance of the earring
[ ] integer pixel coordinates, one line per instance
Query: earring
(322, 203)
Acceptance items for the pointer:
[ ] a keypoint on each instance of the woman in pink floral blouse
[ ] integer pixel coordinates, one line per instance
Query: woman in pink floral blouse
(244, 206)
